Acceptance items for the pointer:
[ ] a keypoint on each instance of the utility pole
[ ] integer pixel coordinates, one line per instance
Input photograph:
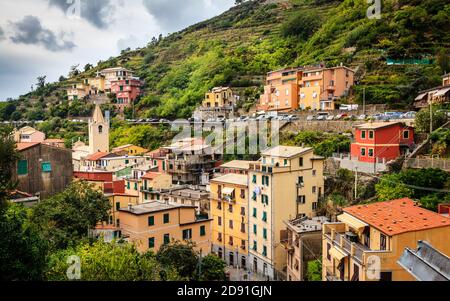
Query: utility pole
(356, 183)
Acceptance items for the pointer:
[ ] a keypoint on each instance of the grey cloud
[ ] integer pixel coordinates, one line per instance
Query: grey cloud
(30, 31)
(177, 14)
(96, 12)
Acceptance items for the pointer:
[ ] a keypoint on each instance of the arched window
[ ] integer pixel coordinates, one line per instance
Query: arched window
(100, 129)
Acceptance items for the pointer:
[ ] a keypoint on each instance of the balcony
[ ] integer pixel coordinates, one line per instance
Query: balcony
(331, 88)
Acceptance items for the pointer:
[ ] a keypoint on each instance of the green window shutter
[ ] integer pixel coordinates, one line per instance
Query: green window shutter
(166, 218)
(151, 242)
(128, 185)
(22, 167)
(46, 167)
(117, 206)
(135, 186)
(254, 212)
(264, 251)
(254, 196)
(202, 230)
(254, 179)
(146, 196)
(127, 161)
(264, 218)
(151, 220)
(267, 180)
(285, 162)
(255, 229)
(157, 197)
(265, 233)
(166, 239)
(255, 246)
(164, 165)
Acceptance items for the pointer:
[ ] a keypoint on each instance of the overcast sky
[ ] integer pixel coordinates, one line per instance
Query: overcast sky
(46, 37)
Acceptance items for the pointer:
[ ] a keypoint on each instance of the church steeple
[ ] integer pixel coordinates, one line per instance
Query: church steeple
(98, 132)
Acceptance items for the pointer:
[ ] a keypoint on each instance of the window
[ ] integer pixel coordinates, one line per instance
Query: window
(363, 134)
(301, 199)
(300, 181)
(100, 129)
(151, 220)
(22, 167)
(314, 173)
(187, 234)
(255, 246)
(328, 252)
(202, 230)
(314, 189)
(242, 193)
(127, 161)
(46, 167)
(243, 227)
(405, 134)
(128, 185)
(151, 242)
(383, 241)
(219, 221)
(166, 239)
(264, 199)
(255, 212)
(264, 253)
(243, 211)
(371, 152)
(265, 233)
(314, 206)
(254, 196)
(135, 186)
(285, 162)
(371, 134)
(363, 151)
(264, 217)
(254, 179)
(166, 218)
(117, 206)
(255, 229)
(300, 161)
(230, 224)
(230, 208)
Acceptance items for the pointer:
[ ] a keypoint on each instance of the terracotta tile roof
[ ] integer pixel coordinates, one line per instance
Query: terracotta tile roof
(25, 145)
(96, 156)
(398, 216)
(54, 140)
(151, 175)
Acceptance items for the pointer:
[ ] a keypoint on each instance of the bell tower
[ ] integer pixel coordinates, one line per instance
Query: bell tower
(98, 132)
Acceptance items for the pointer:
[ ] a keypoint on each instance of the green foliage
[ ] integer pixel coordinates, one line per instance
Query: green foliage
(22, 248)
(422, 121)
(301, 25)
(314, 270)
(324, 144)
(66, 218)
(212, 269)
(8, 158)
(391, 188)
(147, 136)
(181, 256)
(102, 261)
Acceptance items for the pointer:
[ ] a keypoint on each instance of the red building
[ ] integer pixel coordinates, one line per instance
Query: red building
(126, 90)
(381, 141)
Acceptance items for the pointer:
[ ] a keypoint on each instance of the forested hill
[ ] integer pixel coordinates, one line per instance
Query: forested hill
(258, 36)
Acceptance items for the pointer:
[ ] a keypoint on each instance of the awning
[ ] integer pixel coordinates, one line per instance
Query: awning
(337, 254)
(352, 222)
(228, 191)
(441, 92)
(421, 96)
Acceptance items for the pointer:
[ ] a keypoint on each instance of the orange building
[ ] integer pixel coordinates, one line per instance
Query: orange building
(153, 224)
(368, 240)
(312, 88)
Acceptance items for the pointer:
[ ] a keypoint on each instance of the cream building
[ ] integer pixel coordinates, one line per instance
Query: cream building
(98, 132)
(287, 184)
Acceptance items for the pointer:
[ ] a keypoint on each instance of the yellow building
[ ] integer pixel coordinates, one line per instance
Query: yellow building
(151, 225)
(119, 200)
(152, 184)
(368, 240)
(219, 97)
(229, 210)
(96, 84)
(287, 184)
(132, 186)
(77, 91)
(130, 149)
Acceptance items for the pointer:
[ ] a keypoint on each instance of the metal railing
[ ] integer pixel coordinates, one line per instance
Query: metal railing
(431, 162)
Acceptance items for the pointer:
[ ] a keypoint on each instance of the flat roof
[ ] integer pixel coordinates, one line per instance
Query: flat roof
(238, 164)
(398, 216)
(232, 178)
(303, 225)
(153, 207)
(377, 125)
(286, 151)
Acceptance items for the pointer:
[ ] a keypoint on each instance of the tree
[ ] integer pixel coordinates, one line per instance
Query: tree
(423, 120)
(22, 248)
(41, 81)
(74, 70)
(391, 188)
(114, 261)
(64, 219)
(88, 67)
(181, 256)
(212, 269)
(314, 270)
(443, 60)
(8, 159)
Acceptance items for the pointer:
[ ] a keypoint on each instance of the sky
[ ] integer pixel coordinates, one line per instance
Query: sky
(47, 37)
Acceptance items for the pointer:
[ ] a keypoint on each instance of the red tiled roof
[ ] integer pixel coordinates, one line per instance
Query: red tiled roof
(24, 145)
(398, 216)
(96, 156)
(54, 140)
(151, 175)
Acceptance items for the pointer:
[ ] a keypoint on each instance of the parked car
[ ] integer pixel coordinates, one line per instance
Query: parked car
(362, 117)
(321, 117)
(310, 118)
(330, 117)
(340, 116)
(409, 115)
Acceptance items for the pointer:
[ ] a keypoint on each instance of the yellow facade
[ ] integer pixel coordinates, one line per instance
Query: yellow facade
(373, 254)
(151, 225)
(219, 98)
(287, 184)
(130, 149)
(77, 91)
(151, 186)
(96, 84)
(229, 210)
(119, 201)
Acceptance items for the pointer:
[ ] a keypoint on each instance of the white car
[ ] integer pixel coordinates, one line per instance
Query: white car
(330, 117)
(409, 115)
(310, 118)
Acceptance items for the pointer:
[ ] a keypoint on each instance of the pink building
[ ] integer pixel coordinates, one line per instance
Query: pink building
(126, 90)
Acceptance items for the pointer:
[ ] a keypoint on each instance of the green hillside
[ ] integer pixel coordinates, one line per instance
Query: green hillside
(258, 36)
